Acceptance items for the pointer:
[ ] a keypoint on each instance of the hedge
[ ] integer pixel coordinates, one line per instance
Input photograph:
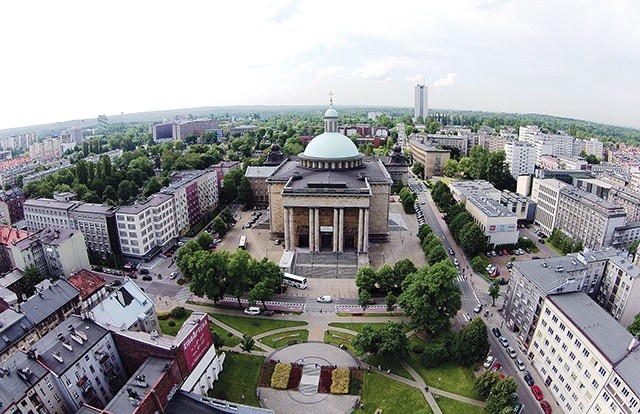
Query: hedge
(340, 381)
(280, 377)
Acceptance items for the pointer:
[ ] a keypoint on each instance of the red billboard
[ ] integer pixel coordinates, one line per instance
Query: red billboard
(197, 343)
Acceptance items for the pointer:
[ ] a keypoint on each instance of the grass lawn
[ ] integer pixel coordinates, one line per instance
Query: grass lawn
(239, 377)
(394, 365)
(254, 326)
(371, 314)
(173, 330)
(449, 406)
(357, 327)
(557, 250)
(229, 341)
(336, 338)
(282, 339)
(391, 397)
(449, 377)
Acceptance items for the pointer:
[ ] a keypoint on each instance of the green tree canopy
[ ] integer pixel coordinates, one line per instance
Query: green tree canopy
(471, 344)
(388, 341)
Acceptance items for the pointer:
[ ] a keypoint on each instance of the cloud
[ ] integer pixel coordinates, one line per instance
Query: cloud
(329, 72)
(446, 81)
(380, 69)
(285, 12)
(415, 78)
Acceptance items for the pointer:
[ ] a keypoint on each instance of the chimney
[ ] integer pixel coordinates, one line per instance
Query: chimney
(634, 343)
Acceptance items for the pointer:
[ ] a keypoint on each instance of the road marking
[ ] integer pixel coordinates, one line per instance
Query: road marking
(476, 296)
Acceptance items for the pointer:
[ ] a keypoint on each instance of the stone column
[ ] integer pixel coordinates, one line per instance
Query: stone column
(316, 229)
(365, 236)
(287, 236)
(311, 232)
(341, 231)
(292, 230)
(360, 228)
(335, 229)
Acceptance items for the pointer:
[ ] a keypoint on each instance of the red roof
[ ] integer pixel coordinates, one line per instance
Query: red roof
(87, 282)
(9, 235)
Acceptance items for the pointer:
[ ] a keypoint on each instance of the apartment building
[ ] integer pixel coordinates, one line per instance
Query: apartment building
(96, 222)
(92, 288)
(55, 253)
(594, 186)
(18, 141)
(48, 150)
(431, 158)
(16, 332)
(520, 157)
(586, 217)
(588, 361)
(195, 193)
(620, 290)
(147, 228)
(623, 236)
(184, 129)
(546, 194)
(592, 146)
(51, 305)
(531, 282)
(529, 133)
(257, 177)
(11, 202)
(84, 361)
(10, 169)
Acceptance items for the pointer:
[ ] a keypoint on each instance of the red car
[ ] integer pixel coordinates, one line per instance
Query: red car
(546, 407)
(536, 392)
(496, 367)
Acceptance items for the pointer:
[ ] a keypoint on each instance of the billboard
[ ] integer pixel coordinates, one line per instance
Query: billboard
(197, 343)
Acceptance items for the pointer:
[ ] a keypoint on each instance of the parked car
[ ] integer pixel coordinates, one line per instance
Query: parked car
(520, 364)
(528, 250)
(496, 367)
(115, 283)
(451, 251)
(478, 308)
(503, 341)
(517, 407)
(147, 278)
(493, 253)
(324, 299)
(489, 361)
(252, 310)
(173, 275)
(267, 312)
(144, 271)
(535, 258)
(528, 378)
(456, 262)
(546, 407)
(505, 252)
(541, 241)
(499, 252)
(512, 352)
(537, 392)
(496, 332)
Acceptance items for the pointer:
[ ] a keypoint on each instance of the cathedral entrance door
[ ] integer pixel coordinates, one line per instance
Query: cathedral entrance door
(349, 241)
(326, 240)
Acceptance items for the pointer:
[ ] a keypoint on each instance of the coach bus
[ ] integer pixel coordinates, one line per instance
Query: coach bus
(243, 242)
(294, 281)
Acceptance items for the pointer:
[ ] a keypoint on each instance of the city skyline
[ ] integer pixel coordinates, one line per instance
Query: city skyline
(78, 60)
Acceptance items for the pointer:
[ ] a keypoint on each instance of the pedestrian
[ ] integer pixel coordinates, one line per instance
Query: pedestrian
(302, 360)
(389, 371)
(379, 369)
(501, 323)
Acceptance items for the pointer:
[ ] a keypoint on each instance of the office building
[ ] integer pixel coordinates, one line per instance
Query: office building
(431, 158)
(523, 207)
(520, 157)
(147, 228)
(546, 194)
(624, 235)
(196, 127)
(620, 289)
(587, 360)
(421, 103)
(628, 199)
(257, 177)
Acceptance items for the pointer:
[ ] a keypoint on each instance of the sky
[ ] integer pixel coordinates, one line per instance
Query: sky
(67, 60)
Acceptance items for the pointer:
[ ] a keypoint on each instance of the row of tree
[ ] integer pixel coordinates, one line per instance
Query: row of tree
(408, 199)
(431, 245)
(219, 273)
(465, 231)
(565, 243)
(387, 281)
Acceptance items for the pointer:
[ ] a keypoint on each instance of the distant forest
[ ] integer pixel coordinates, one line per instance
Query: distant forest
(474, 119)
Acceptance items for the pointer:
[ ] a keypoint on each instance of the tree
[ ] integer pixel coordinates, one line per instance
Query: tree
(388, 341)
(238, 280)
(208, 272)
(479, 263)
(494, 292)
(418, 169)
(204, 239)
(485, 383)
(431, 297)
(219, 226)
(247, 344)
(366, 278)
(184, 254)
(245, 195)
(472, 239)
(217, 339)
(436, 254)
(501, 395)
(634, 328)
(390, 300)
(363, 299)
(267, 277)
(386, 279)
(127, 190)
(402, 269)
(30, 279)
(423, 231)
(152, 187)
(435, 353)
(471, 344)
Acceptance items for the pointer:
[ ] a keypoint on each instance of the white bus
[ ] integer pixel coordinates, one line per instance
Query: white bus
(243, 242)
(294, 281)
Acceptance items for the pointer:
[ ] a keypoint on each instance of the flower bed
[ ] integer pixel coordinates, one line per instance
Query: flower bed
(266, 373)
(340, 381)
(324, 386)
(280, 377)
(356, 381)
(342, 338)
(294, 377)
(279, 338)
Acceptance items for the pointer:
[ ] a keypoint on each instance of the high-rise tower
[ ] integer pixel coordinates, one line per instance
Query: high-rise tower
(421, 104)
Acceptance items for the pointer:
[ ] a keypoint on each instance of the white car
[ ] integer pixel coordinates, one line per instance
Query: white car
(520, 364)
(324, 299)
(512, 352)
(489, 361)
(173, 275)
(478, 308)
(252, 310)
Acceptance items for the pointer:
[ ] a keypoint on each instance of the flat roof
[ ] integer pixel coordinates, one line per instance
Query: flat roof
(120, 309)
(49, 203)
(604, 332)
(547, 278)
(153, 201)
(259, 172)
(490, 207)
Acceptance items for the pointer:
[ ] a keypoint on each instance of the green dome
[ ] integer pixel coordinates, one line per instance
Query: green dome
(331, 146)
(331, 113)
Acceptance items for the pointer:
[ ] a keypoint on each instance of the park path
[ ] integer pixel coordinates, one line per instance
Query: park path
(318, 324)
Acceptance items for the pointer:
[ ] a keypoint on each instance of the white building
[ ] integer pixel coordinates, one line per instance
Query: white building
(47, 150)
(521, 158)
(588, 361)
(146, 228)
(546, 194)
(619, 292)
(590, 147)
(627, 199)
(421, 105)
